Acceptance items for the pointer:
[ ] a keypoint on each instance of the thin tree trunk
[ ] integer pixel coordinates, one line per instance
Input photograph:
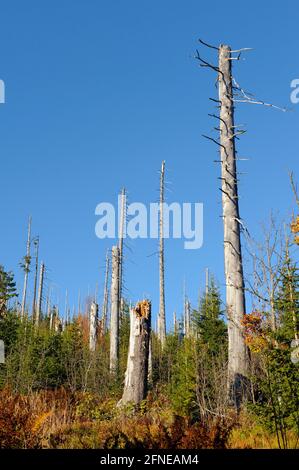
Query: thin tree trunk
(93, 326)
(105, 300)
(40, 293)
(187, 317)
(26, 268)
(122, 219)
(235, 296)
(114, 321)
(36, 243)
(175, 328)
(207, 281)
(136, 378)
(161, 319)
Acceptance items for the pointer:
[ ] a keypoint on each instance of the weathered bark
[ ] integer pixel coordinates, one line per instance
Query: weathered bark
(26, 269)
(93, 326)
(105, 300)
(235, 296)
(136, 378)
(114, 321)
(57, 324)
(187, 318)
(122, 218)
(150, 364)
(36, 244)
(175, 323)
(40, 293)
(207, 281)
(161, 318)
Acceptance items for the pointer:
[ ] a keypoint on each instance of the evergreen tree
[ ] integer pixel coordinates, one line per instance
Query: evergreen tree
(7, 289)
(287, 302)
(209, 324)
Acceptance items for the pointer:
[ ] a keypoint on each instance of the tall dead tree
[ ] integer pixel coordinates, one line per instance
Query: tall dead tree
(36, 246)
(136, 378)
(235, 295)
(106, 299)
(93, 326)
(114, 320)
(161, 317)
(40, 294)
(207, 281)
(27, 261)
(122, 218)
(187, 309)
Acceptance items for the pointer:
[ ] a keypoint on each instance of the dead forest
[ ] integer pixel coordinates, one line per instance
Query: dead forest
(110, 374)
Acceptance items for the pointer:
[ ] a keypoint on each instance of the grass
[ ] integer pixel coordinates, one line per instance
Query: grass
(60, 419)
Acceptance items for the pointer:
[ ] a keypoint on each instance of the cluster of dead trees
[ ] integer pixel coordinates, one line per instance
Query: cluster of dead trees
(136, 377)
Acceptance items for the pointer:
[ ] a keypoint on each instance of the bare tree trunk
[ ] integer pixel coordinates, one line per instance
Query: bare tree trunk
(150, 363)
(175, 325)
(207, 281)
(105, 300)
(136, 379)
(93, 326)
(49, 304)
(114, 321)
(40, 293)
(51, 319)
(161, 319)
(36, 244)
(235, 296)
(187, 318)
(122, 219)
(26, 268)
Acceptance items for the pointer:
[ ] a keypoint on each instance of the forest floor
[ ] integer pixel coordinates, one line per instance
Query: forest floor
(60, 419)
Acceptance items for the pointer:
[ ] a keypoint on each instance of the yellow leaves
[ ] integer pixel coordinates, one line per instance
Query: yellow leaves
(255, 337)
(39, 421)
(295, 229)
(295, 225)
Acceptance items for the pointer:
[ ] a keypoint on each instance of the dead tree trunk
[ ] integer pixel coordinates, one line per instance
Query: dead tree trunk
(36, 244)
(122, 218)
(136, 379)
(161, 318)
(93, 326)
(40, 293)
(175, 323)
(26, 269)
(187, 318)
(114, 321)
(105, 300)
(235, 296)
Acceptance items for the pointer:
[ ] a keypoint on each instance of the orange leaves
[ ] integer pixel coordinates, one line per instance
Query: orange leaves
(295, 229)
(254, 333)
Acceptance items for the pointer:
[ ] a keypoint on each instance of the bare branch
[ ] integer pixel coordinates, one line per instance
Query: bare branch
(208, 45)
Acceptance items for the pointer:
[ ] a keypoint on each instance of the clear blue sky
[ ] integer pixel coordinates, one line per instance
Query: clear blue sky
(99, 92)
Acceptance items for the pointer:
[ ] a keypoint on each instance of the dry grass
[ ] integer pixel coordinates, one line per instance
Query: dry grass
(60, 419)
(249, 434)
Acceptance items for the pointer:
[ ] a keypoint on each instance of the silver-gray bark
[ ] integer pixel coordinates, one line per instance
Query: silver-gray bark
(40, 293)
(105, 300)
(114, 320)
(161, 317)
(136, 378)
(93, 326)
(26, 269)
(235, 296)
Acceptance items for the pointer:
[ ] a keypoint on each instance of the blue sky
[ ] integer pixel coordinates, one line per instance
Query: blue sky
(98, 93)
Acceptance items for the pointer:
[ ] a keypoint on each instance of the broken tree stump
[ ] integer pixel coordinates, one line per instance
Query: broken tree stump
(136, 378)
